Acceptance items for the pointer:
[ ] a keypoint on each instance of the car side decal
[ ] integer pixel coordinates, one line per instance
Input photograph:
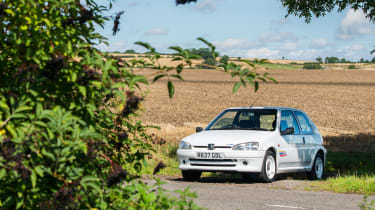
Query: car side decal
(282, 153)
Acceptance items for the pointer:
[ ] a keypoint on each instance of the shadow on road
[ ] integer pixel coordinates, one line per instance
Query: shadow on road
(241, 179)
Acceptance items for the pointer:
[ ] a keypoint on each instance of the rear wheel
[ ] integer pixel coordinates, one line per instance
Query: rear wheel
(317, 171)
(268, 173)
(191, 175)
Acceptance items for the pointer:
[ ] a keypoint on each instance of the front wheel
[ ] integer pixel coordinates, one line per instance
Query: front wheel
(268, 173)
(191, 175)
(317, 171)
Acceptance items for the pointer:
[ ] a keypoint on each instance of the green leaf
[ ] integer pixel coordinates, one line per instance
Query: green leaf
(177, 76)
(158, 77)
(89, 178)
(23, 108)
(33, 178)
(145, 45)
(256, 86)
(140, 78)
(176, 48)
(235, 87)
(209, 44)
(170, 89)
(82, 90)
(179, 68)
(95, 186)
(38, 109)
(4, 105)
(272, 79)
(2, 173)
(39, 171)
(12, 132)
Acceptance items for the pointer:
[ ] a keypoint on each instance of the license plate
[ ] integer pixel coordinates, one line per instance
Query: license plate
(210, 155)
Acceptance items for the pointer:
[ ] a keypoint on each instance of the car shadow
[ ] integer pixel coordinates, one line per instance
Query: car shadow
(240, 179)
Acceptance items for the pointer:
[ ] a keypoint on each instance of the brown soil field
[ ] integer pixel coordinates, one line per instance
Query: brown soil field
(340, 102)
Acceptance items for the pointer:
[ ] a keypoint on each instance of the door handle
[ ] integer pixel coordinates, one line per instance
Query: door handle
(303, 138)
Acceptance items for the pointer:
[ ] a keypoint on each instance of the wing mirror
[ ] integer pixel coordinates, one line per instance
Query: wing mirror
(287, 131)
(198, 129)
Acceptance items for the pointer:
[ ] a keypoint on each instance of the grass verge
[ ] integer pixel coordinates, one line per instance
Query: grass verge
(165, 153)
(349, 172)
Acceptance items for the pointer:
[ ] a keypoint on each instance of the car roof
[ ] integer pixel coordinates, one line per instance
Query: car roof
(265, 107)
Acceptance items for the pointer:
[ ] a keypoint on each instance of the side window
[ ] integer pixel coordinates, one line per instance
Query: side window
(287, 120)
(304, 123)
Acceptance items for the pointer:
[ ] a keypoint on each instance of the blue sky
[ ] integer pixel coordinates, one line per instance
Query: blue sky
(252, 29)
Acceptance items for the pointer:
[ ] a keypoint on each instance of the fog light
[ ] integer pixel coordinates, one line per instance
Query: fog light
(244, 163)
(184, 162)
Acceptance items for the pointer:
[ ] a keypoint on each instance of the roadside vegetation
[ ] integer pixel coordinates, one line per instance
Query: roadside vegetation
(349, 172)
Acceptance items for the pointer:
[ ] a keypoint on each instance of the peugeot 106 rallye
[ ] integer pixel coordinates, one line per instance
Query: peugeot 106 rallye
(254, 140)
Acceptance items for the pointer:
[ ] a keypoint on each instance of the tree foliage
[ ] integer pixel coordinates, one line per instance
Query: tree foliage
(224, 59)
(69, 136)
(318, 8)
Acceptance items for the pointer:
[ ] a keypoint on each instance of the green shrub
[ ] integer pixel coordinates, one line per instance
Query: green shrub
(312, 66)
(224, 59)
(352, 67)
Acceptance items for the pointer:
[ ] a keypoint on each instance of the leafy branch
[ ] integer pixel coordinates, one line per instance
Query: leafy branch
(245, 75)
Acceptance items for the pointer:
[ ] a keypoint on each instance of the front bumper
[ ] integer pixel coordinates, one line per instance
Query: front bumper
(233, 161)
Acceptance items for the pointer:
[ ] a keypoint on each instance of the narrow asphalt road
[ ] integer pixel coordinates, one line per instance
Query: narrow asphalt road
(214, 193)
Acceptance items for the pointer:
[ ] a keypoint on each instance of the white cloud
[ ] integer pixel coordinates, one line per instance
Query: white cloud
(113, 46)
(232, 43)
(355, 47)
(354, 24)
(262, 53)
(156, 32)
(288, 46)
(268, 37)
(319, 43)
(206, 5)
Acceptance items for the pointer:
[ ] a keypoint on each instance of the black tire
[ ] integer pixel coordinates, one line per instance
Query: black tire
(267, 166)
(191, 175)
(317, 170)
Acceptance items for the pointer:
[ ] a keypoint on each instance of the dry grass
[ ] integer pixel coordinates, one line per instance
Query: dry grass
(340, 102)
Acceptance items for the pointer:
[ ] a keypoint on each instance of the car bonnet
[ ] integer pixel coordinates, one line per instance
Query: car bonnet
(227, 137)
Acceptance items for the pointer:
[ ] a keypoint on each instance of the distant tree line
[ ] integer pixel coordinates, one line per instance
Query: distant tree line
(342, 60)
(209, 61)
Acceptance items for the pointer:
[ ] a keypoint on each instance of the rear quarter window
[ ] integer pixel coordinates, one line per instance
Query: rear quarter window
(304, 123)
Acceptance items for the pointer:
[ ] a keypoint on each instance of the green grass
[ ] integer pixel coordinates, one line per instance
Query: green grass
(364, 184)
(167, 154)
(349, 172)
(281, 66)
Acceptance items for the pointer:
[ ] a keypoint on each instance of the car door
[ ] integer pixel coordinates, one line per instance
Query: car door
(289, 150)
(308, 146)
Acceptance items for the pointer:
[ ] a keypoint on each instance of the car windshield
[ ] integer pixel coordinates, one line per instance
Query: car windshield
(245, 119)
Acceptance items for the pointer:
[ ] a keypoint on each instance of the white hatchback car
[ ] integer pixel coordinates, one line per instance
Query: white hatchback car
(261, 140)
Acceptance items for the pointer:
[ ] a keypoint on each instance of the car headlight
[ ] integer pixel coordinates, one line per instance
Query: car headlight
(246, 146)
(184, 145)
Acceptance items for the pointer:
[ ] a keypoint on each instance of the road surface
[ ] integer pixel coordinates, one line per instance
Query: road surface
(219, 193)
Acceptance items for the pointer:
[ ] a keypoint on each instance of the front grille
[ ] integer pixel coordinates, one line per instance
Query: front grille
(214, 147)
(213, 162)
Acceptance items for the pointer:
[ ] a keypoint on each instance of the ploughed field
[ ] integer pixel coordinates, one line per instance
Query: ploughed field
(340, 102)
